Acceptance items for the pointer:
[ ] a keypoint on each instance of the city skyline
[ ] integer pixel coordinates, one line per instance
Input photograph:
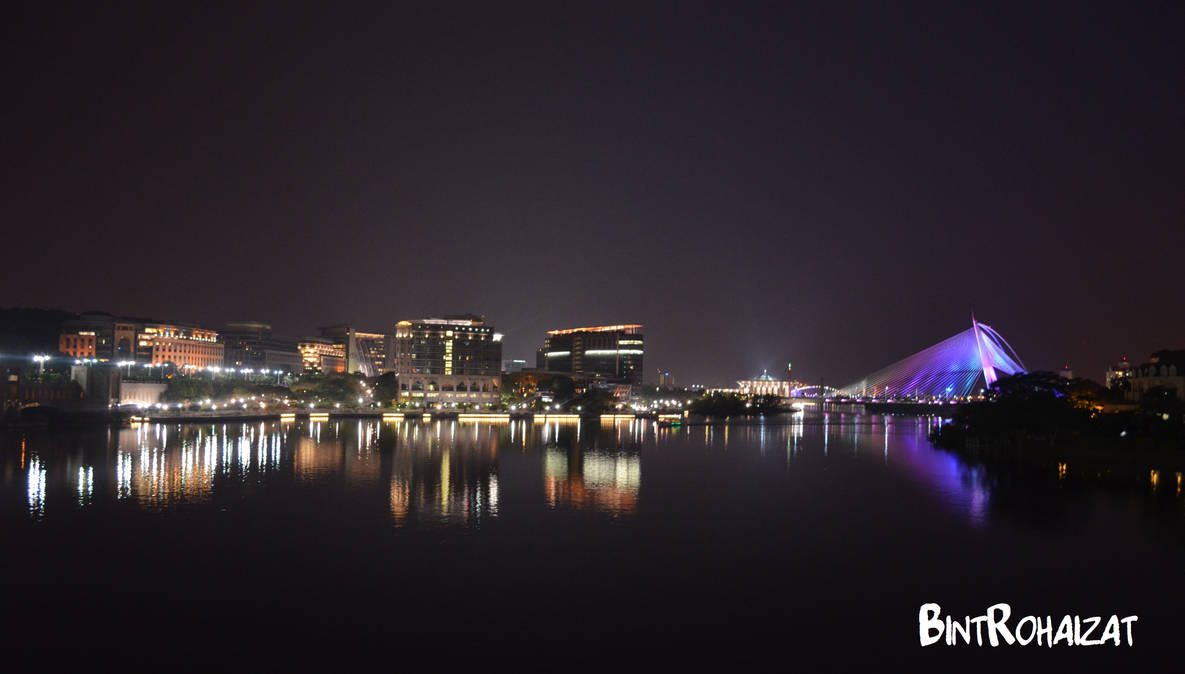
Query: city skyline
(832, 186)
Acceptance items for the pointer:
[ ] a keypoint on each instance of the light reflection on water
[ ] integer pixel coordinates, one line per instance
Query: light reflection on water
(450, 473)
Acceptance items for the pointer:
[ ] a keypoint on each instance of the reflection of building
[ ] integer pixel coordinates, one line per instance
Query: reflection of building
(458, 483)
(456, 359)
(592, 480)
(181, 345)
(610, 351)
(252, 345)
(365, 352)
(1166, 369)
(320, 355)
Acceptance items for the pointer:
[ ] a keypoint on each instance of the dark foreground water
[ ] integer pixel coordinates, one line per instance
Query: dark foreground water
(534, 546)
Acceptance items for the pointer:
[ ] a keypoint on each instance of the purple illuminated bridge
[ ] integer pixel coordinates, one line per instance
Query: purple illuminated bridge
(959, 366)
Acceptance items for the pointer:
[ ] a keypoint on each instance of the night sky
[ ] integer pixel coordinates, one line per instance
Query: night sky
(832, 184)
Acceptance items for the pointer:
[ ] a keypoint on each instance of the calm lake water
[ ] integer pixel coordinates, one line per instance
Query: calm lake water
(520, 543)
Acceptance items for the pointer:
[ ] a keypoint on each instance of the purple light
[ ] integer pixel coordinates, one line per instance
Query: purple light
(954, 367)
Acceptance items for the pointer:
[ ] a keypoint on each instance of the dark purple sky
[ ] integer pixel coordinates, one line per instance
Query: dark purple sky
(833, 184)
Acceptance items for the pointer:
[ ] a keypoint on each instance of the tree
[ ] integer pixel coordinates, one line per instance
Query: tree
(386, 389)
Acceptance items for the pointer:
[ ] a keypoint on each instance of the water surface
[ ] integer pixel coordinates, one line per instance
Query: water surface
(623, 541)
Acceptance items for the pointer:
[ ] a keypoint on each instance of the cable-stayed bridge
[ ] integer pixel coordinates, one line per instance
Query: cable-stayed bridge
(959, 366)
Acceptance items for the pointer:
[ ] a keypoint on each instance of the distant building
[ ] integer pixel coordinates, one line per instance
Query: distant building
(1118, 373)
(1165, 369)
(251, 345)
(99, 335)
(181, 345)
(1066, 373)
(109, 338)
(515, 365)
(79, 344)
(613, 352)
(319, 355)
(453, 360)
(665, 380)
(365, 352)
(767, 384)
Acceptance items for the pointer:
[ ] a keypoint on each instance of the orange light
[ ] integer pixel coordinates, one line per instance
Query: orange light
(598, 328)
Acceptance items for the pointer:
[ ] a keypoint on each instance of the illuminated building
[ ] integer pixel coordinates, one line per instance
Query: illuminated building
(320, 355)
(251, 345)
(613, 352)
(80, 344)
(365, 352)
(180, 345)
(99, 335)
(111, 339)
(665, 380)
(1118, 373)
(767, 385)
(958, 366)
(456, 359)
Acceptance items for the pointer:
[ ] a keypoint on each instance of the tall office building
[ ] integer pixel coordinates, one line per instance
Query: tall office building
(612, 352)
(455, 359)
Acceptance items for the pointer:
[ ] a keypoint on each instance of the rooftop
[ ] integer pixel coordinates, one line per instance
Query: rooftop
(632, 327)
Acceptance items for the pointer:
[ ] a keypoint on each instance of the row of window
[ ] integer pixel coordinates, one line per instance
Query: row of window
(418, 385)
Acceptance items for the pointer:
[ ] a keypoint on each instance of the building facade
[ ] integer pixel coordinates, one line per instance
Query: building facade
(1118, 373)
(252, 345)
(612, 352)
(365, 352)
(767, 385)
(320, 355)
(181, 345)
(109, 338)
(451, 360)
(79, 344)
(1166, 369)
(100, 336)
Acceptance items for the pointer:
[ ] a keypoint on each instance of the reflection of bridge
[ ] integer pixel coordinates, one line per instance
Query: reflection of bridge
(959, 366)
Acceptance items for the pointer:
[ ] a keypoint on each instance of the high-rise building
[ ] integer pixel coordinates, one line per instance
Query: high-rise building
(251, 345)
(455, 359)
(612, 352)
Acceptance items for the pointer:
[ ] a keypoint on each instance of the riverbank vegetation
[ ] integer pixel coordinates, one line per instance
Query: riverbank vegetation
(1041, 410)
